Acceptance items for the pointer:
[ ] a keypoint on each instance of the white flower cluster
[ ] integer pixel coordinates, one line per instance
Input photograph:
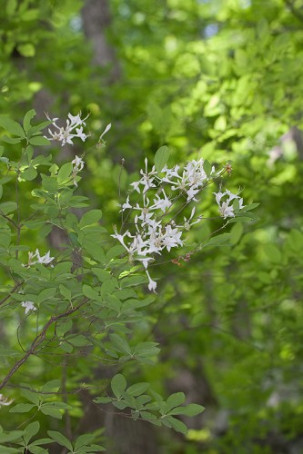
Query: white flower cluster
(44, 260)
(190, 182)
(226, 205)
(73, 128)
(155, 227)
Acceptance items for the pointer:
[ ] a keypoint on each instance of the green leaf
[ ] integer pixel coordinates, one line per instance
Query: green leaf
(21, 408)
(84, 440)
(37, 449)
(138, 389)
(39, 140)
(68, 348)
(65, 292)
(118, 385)
(27, 119)
(174, 423)
(161, 157)
(150, 417)
(133, 281)
(207, 167)
(101, 274)
(219, 240)
(31, 430)
(46, 295)
(11, 126)
(115, 251)
(120, 405)
(49, 184)
(6, 450)
(174, 400)
(64, 173)
(189, 410)
(52, 385)
(90, 293)
(5, 236)
(11, 436)
(31, 396)
(79, 341)
(108, 287)
(60, 439)
(249, 207)
(41, 441)
(146, 349)
(29, 174)
(92, 217)
(78, 202)
(120, 344)
(37, 128)
(236, 233)
(12, 140)
(50, 410)
(8, 207)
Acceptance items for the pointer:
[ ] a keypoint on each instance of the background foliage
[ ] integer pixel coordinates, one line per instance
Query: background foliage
(220, 79)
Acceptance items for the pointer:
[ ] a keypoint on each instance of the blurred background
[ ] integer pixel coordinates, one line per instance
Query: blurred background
(218, 79)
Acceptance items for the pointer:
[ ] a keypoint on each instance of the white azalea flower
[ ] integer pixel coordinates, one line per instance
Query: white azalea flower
(152, 285)
(105, 131)
(161, 204)
(126, 205)
(78, 163)
(28, 306)
(81, 134)
(44, 260)
(225, 207)
(136, 186)
(226, 210)
(172, 238)
(188, 222)
(73, 128)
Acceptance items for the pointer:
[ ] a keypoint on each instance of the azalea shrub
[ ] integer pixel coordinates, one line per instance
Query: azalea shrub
(77, 299)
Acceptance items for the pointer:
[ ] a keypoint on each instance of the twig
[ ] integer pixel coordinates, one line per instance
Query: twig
(9, 219)
(37, 342)
(10, 293)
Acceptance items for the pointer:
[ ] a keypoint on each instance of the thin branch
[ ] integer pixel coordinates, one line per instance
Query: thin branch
(10, 293)
(37, 342)
(9, 219)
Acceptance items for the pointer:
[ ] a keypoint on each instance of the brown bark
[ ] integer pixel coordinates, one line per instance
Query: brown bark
(96, 19)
